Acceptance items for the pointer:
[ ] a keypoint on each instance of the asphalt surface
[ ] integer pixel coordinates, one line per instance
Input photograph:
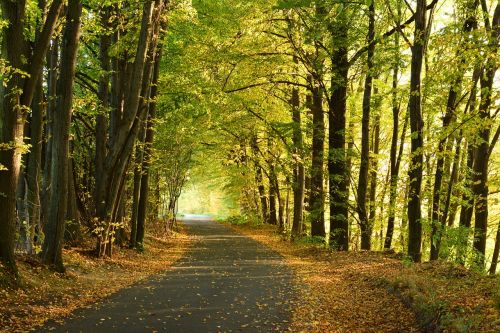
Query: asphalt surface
(226, 283)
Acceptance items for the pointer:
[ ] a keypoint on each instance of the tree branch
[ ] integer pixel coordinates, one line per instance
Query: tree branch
(403, 25)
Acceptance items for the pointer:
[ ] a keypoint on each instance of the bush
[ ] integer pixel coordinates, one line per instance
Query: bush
(244, 219)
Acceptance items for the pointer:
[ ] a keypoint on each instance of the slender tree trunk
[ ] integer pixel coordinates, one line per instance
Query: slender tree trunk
(52, 61)
(139, 156)
(480, 187)
(467, 207)
(496, 251)
(448, 211)
(262, 194)
(104, 97)
(73, 230)
(374, 168)
(444, 143)
(298, 173)
(15, 95)
(34, 165)
(123, 138)
(52, 246)
(144, 194)
(416, 125)
(11, 131)
(364, 223)
(273, 193)
(394, 166)
(337, 171)
(272, 205)
(317, 197)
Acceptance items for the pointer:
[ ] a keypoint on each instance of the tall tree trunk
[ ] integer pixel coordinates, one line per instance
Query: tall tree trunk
(317, 197)
(11, 131)
(467, 206)
(34, 165)
(448, 210)
(274, 197)
(52, 74)
(54, 230)
(123, 138)
(104, 96)
(443, 146)
(262, 194)
(73, 231)
(139, 156)
(272, 203)
(374, 167)
(416, 125)
(144, 194)
(16, 95)
(364, 223)
(337, 171)
(480, 187)
(274, 193)
(298, 173)
(394, 166)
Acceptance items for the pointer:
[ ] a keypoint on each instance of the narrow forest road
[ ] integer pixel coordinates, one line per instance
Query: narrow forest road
(226, 283)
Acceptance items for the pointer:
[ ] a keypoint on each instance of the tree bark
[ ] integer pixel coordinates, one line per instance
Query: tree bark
(54, 231)
(34, 165)
(480, 187)
(104, 92)
(16, 96)
(52, 73)
(394, 165)
(136, 192)
(317, 197)
(443, 146)
(337, 170)
(298, 173)
(364, 223)
(374, 167)
(123, 137)
(416, 125)
(144, 193)
(262, 194)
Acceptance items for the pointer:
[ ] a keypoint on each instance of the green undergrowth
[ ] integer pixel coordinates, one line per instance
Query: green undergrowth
(448, 298)
(244, 219)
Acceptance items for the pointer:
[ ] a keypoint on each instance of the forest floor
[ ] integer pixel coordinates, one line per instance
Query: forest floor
(379, 292)
(48, 295)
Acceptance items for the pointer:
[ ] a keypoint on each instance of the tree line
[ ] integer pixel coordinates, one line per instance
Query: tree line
(365, 125)
(78, 107)
(369, 125)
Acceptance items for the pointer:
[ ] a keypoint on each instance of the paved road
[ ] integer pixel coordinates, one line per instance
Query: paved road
(226, 283)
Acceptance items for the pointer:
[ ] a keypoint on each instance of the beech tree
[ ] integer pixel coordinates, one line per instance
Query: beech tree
(358, 125)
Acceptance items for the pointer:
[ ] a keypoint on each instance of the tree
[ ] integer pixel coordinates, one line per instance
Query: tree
(54, 230)
(365, 224)
(482, 155)
(17, 94)
(416, 126)
(337, 171)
